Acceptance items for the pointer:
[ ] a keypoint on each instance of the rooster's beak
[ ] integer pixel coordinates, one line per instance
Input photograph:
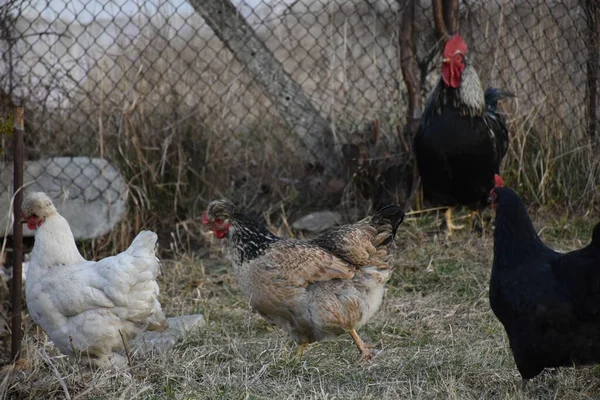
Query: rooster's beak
(446, 60)
(23, 220)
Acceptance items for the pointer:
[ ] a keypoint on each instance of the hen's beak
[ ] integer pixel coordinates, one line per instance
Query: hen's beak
(446, 60)
(23, 220)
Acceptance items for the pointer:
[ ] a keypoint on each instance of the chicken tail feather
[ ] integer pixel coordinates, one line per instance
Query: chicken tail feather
(493, 95)
(391, 215)
(144, 243)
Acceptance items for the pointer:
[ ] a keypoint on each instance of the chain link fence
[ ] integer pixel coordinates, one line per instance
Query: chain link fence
(185, 109)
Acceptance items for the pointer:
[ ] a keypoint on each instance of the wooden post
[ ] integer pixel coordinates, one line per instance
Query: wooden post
(410, 70)
(452, 15)
(293, 106)
(439, 21)
(17, 282)
(446, 18)
(410, 73)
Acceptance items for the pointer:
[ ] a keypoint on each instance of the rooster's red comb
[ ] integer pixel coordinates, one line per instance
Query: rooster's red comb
(205, 220)
(455, 44)
(499, 182)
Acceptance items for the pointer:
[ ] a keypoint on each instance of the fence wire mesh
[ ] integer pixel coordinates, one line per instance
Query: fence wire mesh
(152, 86)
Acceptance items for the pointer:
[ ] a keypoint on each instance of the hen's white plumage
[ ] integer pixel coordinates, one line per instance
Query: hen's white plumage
(84, 305)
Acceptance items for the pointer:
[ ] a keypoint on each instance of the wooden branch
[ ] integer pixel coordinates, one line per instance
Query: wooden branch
(438, 19)
(410, 70)
(452, 15)
(292, 104)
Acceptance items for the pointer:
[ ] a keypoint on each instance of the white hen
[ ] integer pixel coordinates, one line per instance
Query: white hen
(85, 306)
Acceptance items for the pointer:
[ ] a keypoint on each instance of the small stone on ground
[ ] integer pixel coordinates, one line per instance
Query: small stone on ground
(178, 328)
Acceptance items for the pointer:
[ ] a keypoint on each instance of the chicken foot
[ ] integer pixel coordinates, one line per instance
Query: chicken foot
(449, 224)
(364, 348)
(301, 348)
(476, 220)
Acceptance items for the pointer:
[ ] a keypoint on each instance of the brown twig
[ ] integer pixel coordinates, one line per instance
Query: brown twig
(410, 70)
(126, 347)
(438, 19)
(451, 15)
(375, 134)
(446, 17)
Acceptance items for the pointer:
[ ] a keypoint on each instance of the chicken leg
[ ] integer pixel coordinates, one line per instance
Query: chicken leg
(476, 220)
(301, 349)
(364, 349)
(449, 224)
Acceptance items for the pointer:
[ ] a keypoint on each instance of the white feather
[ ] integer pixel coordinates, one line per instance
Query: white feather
(86, 305)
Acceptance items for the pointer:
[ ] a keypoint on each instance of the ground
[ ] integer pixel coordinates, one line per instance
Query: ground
(436, 337)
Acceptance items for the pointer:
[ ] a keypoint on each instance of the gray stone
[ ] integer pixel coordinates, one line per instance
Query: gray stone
(318, 221)
(178, 328)
(89, 192)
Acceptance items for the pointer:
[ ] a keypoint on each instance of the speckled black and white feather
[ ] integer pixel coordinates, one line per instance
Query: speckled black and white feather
(248, 239)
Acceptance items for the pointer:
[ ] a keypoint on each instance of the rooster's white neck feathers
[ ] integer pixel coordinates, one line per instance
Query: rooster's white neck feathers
(470, 89)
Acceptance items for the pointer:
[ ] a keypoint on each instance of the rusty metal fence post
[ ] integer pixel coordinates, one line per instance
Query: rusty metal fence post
(17, 283)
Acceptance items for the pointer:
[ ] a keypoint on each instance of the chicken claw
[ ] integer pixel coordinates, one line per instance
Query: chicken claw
(301, 349)
(449, 224)
(364, 348)
(476, 220)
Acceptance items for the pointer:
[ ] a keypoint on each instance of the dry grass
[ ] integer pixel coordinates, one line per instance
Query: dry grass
(436, 336)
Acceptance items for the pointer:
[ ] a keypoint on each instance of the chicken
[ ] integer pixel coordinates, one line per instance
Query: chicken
(462, 138)
(88, 308)
(314, 289)
(548, 302)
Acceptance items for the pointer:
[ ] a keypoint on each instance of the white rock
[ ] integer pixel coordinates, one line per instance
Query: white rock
(318, 221)
(89, 192)
(6, 274)
(178, 328)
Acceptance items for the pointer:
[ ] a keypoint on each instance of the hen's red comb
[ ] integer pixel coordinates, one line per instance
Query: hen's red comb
(455, 44)
(498, 181)
(205, 220)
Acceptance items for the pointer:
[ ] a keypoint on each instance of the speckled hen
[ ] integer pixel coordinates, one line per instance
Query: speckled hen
(314, 289)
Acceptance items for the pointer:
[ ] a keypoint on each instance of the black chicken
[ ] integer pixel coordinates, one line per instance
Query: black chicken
(462, 138)
(548, 302)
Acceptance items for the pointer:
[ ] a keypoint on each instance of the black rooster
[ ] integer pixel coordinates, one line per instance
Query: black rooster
(548, 302)
(462, 138)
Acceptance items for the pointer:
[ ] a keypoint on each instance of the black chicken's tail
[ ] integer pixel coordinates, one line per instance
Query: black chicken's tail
(393, 215)
(493, 95)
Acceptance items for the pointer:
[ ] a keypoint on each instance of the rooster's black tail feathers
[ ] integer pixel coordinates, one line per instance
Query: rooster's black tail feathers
(392, 214)
(494, 95)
